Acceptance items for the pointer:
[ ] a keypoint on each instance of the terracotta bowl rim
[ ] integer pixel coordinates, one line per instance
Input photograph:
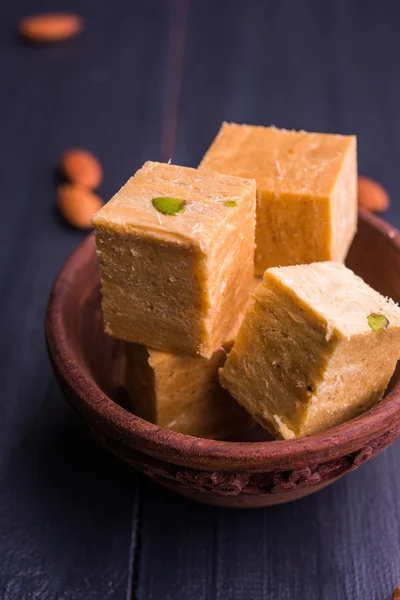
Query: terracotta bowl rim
(163, 443)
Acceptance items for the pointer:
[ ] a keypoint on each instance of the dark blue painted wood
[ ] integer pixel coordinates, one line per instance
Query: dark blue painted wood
(342, 543)
(67, 509)
(321, 66)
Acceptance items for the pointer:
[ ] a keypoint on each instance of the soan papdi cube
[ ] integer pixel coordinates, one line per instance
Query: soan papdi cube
(183, 393)
(175, 248)
(306, 190)
(317, 347)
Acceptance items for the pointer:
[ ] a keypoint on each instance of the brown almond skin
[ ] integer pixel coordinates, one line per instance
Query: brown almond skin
(372, 195)
(81, 167)
(396, 593)
(50, 27)
(77, 205)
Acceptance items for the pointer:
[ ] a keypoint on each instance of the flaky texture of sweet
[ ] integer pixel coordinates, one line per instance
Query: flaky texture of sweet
(306, 190)
(176, 283)
(305, 358)
(183, 393)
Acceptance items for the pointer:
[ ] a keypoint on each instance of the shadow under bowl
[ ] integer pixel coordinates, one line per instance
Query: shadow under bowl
(242, 474)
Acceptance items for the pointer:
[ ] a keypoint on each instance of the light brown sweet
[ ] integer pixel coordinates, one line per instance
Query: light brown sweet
(306, 357)
(176, 282)
(306, 190)
(183, 393)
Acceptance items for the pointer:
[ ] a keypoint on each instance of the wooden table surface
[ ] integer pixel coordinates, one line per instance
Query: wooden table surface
(153, 80)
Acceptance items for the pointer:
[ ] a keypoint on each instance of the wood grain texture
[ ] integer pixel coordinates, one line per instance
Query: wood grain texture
(176, 55)
(309, 549)
(66, 508)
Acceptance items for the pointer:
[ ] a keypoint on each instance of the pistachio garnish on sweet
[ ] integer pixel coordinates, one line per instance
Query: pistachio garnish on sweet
(230, 203)
(168, 205)
(377, 321)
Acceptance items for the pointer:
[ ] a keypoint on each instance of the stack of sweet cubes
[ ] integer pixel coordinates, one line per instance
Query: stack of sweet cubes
(228, 286)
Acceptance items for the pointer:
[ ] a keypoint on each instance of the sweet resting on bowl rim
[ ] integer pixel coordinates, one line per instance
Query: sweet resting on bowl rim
(184, 461)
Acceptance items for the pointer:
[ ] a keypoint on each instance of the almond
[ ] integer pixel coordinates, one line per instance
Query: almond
(396, 593)
(77, 204)
(82, 167)
(372, 195)
(50, 27)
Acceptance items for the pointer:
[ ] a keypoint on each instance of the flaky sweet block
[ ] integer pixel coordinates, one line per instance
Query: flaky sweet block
(306, 190)
(317, 347)
(176, 252)
(183, 393)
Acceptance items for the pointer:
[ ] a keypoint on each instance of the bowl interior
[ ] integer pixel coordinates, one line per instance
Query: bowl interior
(75, 335)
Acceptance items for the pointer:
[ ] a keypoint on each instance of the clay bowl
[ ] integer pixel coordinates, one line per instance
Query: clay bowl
(241, 474)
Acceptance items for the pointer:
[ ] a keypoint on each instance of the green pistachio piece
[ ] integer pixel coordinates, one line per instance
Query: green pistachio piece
(230, 203)
(377, 321)
(169, 206)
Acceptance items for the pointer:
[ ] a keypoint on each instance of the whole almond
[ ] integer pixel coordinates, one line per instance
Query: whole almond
(82, 167)
(372, 195)
(50, 27)
(396, 593)
(77, 204)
